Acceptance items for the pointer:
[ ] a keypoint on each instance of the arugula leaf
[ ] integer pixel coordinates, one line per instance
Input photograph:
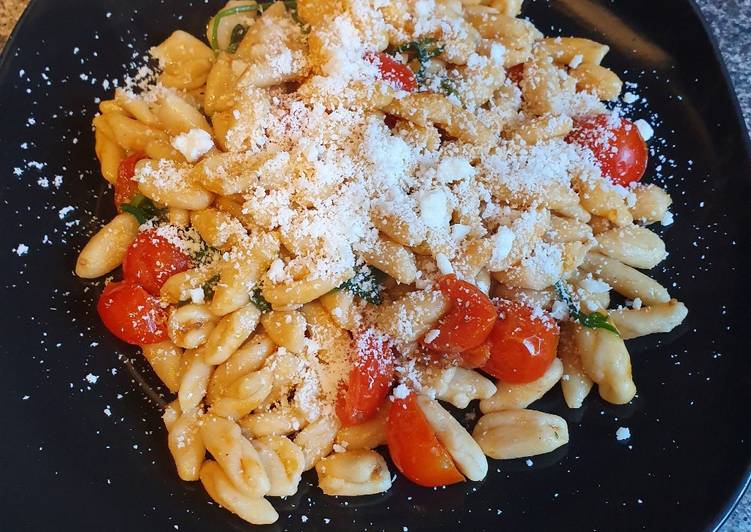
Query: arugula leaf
(144, 209)
(204, 255)
(593, 320)
(209, 286)
(448, 87)
(238, 32)
(366, 284)
(258, 300)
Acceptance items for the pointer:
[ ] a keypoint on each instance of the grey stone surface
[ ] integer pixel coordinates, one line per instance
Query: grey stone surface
(730, 22)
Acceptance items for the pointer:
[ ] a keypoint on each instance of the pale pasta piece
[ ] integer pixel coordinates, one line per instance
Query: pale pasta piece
(248, 358)
(236, 455)
(402, 227)
(544, 128)
(220, 85)
(512, 8)
(283, 462)
(185, 60)
(244, 395)
(393, 259)
(286, 329)
(179, 287)
(544, 84)
(184, 441)
(178, 217)
(535, 298)
(367, 435)
(575, 383)
(109, 153)
(520, 433)
(176, 115)
(517, 35)
(189, 326)
(570, 50)
(273, 423)
(626, 280)
(601, 199)
(634, 246)
(130, 134)
(660, 318)
(353, 473)
(301, 291)
(214, 226)
(651, 205)
(254, 510)
(600, 81)
(515, 396)
(166, 360)
(194, 379)
(467, 454)
(177, 190)
(106, 250)
(317, 439)
(606, 361)
(411, 316)
(465, 386)
(340, 304)
(568, 230)
(230, 333)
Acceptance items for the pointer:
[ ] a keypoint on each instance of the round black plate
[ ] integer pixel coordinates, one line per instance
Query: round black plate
(83, 447)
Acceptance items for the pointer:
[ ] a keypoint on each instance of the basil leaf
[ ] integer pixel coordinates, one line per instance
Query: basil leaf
(366, 284)
(238, 32)
(258, 300)
(594, 320)
(144, 209)
(424, 50)
(257, 7)
(204, 255)
(448, 87)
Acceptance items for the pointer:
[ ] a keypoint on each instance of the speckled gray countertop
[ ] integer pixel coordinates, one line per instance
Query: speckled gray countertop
(730, 22)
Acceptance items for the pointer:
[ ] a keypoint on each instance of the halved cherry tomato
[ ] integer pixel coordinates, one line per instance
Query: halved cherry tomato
(394, 72)
(468, 321)
(516, 73)
(132, 314)
(125, 186)
(414, 447)
(369, 380)
(151, 259)
(522, 346)
(618, 148)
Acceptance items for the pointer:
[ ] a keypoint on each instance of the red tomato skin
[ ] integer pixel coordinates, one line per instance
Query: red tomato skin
(414, 447)
(132, 314)
(369, 380)
(394, 72)
(510, 341)
(468, 321)
(475, 357)
(151, 260)
(619, 149)
(125, 186)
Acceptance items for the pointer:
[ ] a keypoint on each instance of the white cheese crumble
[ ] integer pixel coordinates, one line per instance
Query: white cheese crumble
(629, 97)
(667, 219)
(623, 433)
(645, 130)
(576, 61)
(197, 296)
(432, 335)
(443, 263)
(193, 144)
(21, 250)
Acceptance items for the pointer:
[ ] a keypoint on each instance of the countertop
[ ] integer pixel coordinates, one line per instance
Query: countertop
(730, 22)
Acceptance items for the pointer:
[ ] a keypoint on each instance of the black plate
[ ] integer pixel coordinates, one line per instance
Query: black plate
(80, 455)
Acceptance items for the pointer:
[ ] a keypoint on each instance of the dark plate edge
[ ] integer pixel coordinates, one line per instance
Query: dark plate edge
(740, 490)
(719, 519)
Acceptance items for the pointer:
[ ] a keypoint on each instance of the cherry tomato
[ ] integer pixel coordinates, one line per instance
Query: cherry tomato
(468, 321)
(125, 186)
(475, 357)
(522, 346)
(414, 447)
(369, 381)
(516, 73)
(132, 314)
(618, 148)
(151, 260)
(394, 72)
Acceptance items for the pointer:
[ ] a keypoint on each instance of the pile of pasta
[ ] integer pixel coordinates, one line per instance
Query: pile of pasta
(308, 147)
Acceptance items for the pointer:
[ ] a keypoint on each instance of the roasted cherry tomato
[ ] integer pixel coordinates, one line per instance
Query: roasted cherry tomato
(468, 321)
(397, 74)
(516, 73)
(522, 345)
(132, 314)
(618, 147)
(475, 357)
(125, 186)
(151, 260)
(414, 447)
(369, 380)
